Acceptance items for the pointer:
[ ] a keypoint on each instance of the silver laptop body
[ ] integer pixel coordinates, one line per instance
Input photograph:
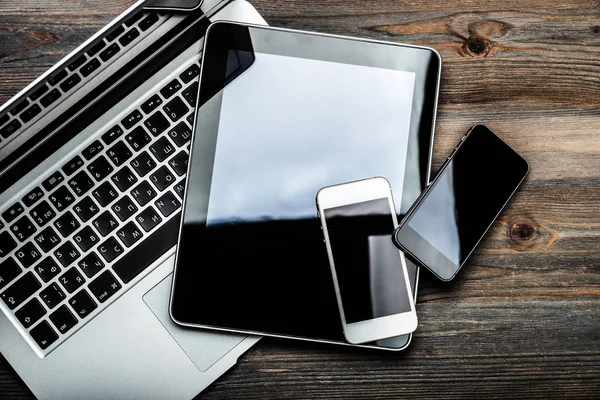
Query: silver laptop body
(93, 157)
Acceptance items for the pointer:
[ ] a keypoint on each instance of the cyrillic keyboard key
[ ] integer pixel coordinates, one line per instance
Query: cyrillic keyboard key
(9, 270)
(113, 134)
(176, 109)
(30, 313)
(50, 98)
(157, 123)
(124, 208)
(105, 194)
(162, 149)
(23, 229)
(190, 118)
(110, 249)
(63, 319)
(47, 239)
(53, 181)
(43, 335)
(148, 219)
(180, 134)
(143, 164)
(72, 166)
(100, 168)
(81, 183)
(7, 244)
(167, 204)
(47, 269)
(62, 198)
(190, 73)
(105, 223)
(66, 254)
(86, 239)
(138, 138)
(20, 291)
(71, 280)
(42, 213)
(179, 163)
(52, 295)
(132, 119)
(180, 189)
(151, 104)
(124, 179)
(13, 212)
(143, 193)
(86, 209)
(162, 178)
(191, 94)
(148, 251)
(91, 264)
(28, 255)
(82, 304)
(129, 234)
(66, 224)
(104, 286)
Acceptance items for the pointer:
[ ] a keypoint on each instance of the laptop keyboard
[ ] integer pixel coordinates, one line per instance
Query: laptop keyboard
(72, 244)
(63, 82)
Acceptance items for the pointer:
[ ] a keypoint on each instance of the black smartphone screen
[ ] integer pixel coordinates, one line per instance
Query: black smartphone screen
(367, 264)
(462, 202)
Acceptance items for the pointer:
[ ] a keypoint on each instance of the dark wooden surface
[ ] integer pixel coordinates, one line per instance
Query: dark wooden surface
(523, 317)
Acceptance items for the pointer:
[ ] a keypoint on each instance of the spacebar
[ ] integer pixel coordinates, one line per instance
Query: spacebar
(148, 251)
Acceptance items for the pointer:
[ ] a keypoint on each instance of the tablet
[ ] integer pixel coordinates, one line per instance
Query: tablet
(281, 114)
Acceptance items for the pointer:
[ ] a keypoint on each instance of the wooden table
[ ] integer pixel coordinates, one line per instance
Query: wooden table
(522, 319)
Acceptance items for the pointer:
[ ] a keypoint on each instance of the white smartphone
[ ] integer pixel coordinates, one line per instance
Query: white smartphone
(369, 273)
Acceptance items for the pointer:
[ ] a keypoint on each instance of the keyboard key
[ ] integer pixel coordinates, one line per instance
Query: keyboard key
(104, 287)
(30, 113)
(119, 153)
(71, 280)
(38, 93)
(77, 63)
(19, 107)
(167, 204)
(96, 48)
(11, 128)
(13, 212)
(47, 269)
(132, 119)
(90, 67)
(144, 254)
(5, 118)
(129, 234)
(157, 123)
(53, 181)
(23, 229)
(151, 104)
(66, 254)
(190, 73)
(162, 149)
(162, 178)
(91, 264)
(176, 109)
(124, 179)
(105, 194)
(115, 34)
(86, 239)
(100, 168)
(82, 304)
(70, 82)
(61, 198)
(131, 21)
(43, 335)
(113, 134)
(138, 138)
(66, 224)
(110, 249)
(191, 94)
(32, 197)
(143, 193)
(86, 209)
(28, 255)
(9, 271)
(72, 166)
(52, 295)
(129, 37)
(143, 164)
(42, 213)
(7, 244)
(47, 239)
(173, 87)
(109, 52)
(20, 291)
(180, 189)
(148, 21)
(191, 118)
(105, 223)
(148, 219)
(30, 313)
(92, 150)
(124, 208)
(81, 183)
(63, 319)
(50, 98)
(179, 163)
(181, 134)
(58, 77)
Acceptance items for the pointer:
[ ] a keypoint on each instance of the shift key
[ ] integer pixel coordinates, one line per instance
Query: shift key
(20, 291)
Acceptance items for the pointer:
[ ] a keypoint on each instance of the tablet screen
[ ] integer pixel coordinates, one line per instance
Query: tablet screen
(279, 118)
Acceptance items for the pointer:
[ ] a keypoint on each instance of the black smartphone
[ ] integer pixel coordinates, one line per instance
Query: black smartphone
(448, 220)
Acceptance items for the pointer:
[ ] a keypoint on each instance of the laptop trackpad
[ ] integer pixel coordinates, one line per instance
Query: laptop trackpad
(203, 347)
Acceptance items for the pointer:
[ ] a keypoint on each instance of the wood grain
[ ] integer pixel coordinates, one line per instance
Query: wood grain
(523, 317)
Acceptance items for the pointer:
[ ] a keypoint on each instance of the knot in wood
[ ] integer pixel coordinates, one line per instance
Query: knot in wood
(522, 232)
(477, 46)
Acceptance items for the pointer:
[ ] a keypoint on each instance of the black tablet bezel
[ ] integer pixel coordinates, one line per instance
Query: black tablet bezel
(424, 62)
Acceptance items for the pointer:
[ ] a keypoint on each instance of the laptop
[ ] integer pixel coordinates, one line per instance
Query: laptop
(93, 157)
